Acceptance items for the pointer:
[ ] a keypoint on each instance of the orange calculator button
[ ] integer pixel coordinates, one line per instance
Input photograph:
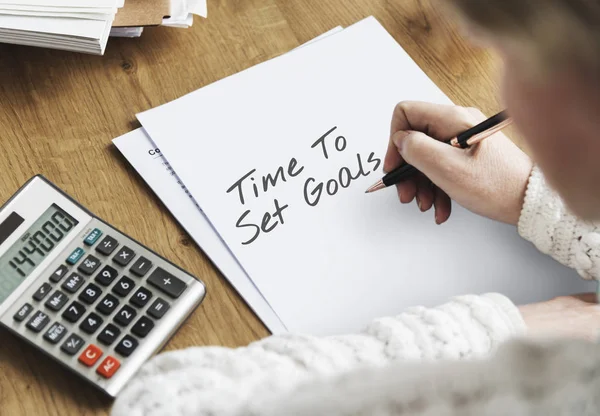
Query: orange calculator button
(109, 366)
(90, 355)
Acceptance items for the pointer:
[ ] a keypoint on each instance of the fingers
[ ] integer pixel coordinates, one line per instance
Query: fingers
(587, 297)
(392, 159)
(407, 190)
(424, 195)
(443, 206)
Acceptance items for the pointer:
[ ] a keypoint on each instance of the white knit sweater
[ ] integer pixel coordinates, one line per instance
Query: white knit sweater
(374, 372)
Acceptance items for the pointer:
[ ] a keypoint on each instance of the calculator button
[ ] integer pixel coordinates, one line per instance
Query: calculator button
(124, 256)
(75, 256)
(127, 345)
(72, 345)
(106, 276)
(23, 312)
(90, 294)
(90, 355)
(108, 367)
(91, 323)
(73, 283)
(55, 333)
(141, 297)
(141, 267)
(59, 273)
(107, 245)
(123, 286)
(42, 292)
(142, 327)
(125, 315)
(109, 334)
(89, 265)
(107, 305)
(38, 321)
(57, 301)
(74, 312)
(158, 308)
(92, 237)
(166, 282)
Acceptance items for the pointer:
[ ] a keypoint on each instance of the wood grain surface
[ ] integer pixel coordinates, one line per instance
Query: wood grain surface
(59, 112)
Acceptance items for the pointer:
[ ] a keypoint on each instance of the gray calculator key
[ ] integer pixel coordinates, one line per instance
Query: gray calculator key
(124, 256)
(23, 312)
(107, 245)
(42, 292)
(166, 282)
(55, 333)
(141, 267)
(73, 283)
(89, 265)
(59, 273)
(158, 308)
(72, 345)
(38, 321)
(57, 301)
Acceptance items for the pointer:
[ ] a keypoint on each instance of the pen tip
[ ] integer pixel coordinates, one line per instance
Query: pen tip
(379, 185)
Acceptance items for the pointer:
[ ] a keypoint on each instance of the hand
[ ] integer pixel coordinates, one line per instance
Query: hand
(490, 179)
(566, 316)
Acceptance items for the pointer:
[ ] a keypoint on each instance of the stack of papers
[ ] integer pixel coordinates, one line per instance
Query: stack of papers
(267, 171)
(73, 25)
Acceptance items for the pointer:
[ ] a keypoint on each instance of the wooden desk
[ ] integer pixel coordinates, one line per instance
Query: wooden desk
(59, 112)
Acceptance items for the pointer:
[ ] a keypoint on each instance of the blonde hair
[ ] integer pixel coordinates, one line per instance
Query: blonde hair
(555, 32)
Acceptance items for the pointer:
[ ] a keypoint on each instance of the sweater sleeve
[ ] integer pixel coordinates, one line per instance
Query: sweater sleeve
(214, 380)
(547, 223)
(523, 378)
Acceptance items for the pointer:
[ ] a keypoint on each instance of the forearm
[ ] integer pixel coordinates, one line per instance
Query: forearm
(222, 380)
(547, 223)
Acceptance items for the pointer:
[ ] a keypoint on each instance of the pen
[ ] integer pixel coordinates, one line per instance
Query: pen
(464, 140)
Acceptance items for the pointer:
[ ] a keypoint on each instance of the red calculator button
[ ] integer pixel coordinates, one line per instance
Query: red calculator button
(90, 355)
(109, 366)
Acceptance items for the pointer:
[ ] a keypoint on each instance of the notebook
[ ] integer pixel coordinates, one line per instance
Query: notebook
(279, 156)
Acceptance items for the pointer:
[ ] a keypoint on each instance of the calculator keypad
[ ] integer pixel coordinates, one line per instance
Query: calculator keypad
(130, 306)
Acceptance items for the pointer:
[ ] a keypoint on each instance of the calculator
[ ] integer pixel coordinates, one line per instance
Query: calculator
(83, 292)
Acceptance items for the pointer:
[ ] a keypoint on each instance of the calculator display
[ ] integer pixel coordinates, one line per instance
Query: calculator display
(32, 248)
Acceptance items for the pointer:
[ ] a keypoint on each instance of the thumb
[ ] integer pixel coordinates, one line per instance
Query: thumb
(437, 160)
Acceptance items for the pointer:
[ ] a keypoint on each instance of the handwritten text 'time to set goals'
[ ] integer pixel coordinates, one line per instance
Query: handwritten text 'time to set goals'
(249, 186)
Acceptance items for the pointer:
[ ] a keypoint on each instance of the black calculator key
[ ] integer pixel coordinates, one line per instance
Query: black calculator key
(125, 315)
(142, 327)
(90, 294)
(109, 334)
(57, 301)
(42, 292)
(123, 286)
(141, 267)
(89, 265)
(107, 245)
(158, 308)
(141, 297)
(127, 345)
(91, 323)
(124, 256)
(166, 282)
(72, 345)
(59, 273)
(55, 333)
(73, 283)
(38, 321)
(74, 312)
(23, 312)
(107, 305)
(106, 276)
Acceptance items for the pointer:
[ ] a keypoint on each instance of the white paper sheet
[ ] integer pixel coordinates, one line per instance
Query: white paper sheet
(151, 165)
(332, 267)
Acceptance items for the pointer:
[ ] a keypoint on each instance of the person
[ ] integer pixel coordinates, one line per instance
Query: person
(449, 360)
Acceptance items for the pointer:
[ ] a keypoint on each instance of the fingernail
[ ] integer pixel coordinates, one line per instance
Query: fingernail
(419, 204)
(437, 219)
(398, 139)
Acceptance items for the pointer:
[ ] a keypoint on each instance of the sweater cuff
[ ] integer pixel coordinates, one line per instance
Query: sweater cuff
(508, 312)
